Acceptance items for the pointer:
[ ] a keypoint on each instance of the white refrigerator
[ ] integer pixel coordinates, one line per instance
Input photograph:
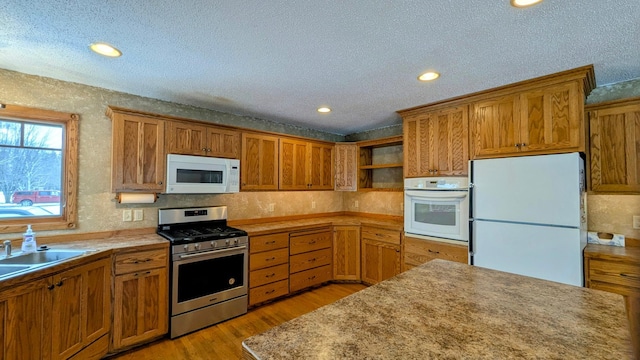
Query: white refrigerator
(528, 216)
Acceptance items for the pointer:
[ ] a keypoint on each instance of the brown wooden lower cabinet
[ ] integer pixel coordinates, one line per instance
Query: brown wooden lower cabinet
(346, 253)
(59, 316)
(268, 267)
(419, 251)
(141, 310)
(381, 254)
(310, 258)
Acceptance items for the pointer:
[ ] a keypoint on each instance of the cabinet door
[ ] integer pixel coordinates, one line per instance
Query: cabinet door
(24, 319)
(346, 167)
(418, 142)
(615, 148)
(186, 138)
(259, 163)
(137, 153)
(552, 119)
(140, 307)
(223, 143)
(294, 164)
(81, 307)
(346, 253)
(380, 261)
(321, 166)
(495, 128)
(450, 149)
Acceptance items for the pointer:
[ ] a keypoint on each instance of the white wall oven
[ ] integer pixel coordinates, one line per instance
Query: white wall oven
(437, 207)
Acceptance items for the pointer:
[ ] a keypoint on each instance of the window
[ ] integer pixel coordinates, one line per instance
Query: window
(38, 169)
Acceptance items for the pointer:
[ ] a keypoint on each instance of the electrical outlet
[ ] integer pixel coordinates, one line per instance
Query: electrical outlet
(126, 215)
(356, 204)
(313, 204)
(636, 221)
(272, 207)
(138, 215)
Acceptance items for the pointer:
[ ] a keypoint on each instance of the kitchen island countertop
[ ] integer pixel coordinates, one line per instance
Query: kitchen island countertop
(443, 309)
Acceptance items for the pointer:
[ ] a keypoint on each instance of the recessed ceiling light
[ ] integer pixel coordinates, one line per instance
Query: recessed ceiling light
(105, 49)
(428, 76)
(524, 3)
(324, 109)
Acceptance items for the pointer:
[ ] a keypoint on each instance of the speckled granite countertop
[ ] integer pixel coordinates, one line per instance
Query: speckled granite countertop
(447, 310)
(292, 225)
(95, 249)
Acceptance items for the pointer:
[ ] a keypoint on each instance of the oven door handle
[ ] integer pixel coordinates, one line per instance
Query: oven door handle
(187, 256)
(422, 194)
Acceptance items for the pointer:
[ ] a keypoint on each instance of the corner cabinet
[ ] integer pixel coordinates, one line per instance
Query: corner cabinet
(346, 167)
(436, 142)
(380, 164)
(259, 162)
(305, 165)
(137, 152)
(614, 131)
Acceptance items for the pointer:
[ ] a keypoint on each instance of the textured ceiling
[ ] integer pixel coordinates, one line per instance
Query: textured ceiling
(280, 60)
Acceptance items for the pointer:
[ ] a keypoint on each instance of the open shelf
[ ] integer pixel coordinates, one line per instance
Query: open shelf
(380, 160)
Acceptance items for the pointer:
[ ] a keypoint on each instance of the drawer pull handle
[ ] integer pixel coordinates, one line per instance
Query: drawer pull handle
(628, 275)
(270, 242)
(271, 258)
(312, 242)
(312, 277)
(270, 292)
(312, 260)
(140, 274)
(141, 261)
(435, 252)
(50, 287)
(270, 275)
(60, 283)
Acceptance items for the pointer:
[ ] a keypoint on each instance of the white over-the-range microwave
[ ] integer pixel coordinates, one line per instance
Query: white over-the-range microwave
(187, 174)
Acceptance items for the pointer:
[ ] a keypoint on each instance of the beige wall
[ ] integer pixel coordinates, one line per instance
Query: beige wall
(97, 208)
(98, 211)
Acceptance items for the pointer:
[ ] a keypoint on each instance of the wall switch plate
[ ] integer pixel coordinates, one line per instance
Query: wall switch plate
(126, 215)
(272, 207)
(313, 204)
(636, 221)
(138, 215)
(356, 204)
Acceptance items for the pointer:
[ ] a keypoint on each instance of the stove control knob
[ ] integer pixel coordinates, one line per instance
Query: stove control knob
(226, 241)
(197, 246)
(214, 244)
(186, 248)
(235, 241)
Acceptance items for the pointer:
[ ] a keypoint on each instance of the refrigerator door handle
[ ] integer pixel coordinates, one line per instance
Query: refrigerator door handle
(471, 205)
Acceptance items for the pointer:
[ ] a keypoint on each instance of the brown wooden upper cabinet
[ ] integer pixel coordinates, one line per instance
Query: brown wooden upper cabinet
(614, 130)
(346, 159)
(305, 165)
(198, 139)
(259, 162)
(137, 159)
(543, 120)
(436, 142)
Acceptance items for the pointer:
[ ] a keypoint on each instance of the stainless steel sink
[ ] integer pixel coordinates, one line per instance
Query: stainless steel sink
(9, 269)
(41, 257)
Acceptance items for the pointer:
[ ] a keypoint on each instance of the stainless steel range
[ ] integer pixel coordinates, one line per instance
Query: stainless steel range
(209, 267)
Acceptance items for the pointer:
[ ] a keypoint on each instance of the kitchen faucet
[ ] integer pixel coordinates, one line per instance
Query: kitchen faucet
(7, 248)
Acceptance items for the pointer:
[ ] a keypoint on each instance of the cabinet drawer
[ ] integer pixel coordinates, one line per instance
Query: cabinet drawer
(268, 275)
(378, 234)
(268, 258)
(268, 292)
(310, 260)
(305, 279)
(614, 288)
(418, 251)
(268, 242)
(619, 273)
(130, 262)
(310, 242)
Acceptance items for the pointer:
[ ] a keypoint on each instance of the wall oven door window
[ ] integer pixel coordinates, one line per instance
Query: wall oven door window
(438, 213)
(207, 278)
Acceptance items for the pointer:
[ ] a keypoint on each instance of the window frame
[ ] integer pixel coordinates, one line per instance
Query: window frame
(68, 214)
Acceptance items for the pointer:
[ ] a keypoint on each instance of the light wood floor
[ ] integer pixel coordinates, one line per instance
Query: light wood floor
(224, 340)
